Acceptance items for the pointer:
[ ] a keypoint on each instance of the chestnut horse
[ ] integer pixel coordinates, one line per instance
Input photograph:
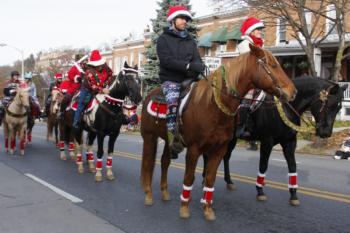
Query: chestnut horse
(52, 122)
(207, 122)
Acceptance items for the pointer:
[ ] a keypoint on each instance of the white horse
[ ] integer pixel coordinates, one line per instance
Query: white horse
(15, 120)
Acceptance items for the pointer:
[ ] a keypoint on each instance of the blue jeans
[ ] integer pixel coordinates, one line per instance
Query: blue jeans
(84, 98)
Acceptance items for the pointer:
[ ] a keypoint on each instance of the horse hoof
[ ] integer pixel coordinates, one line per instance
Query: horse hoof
(92, 169)
(73, 158)
(295, 202)
(209, 214)
(110, 177)
(184, 211)
(231, 187)
(63, 157)
(261, 197)
(80, 169)
(22, 152)
(148, 200)
(166, 196)
(98, 176)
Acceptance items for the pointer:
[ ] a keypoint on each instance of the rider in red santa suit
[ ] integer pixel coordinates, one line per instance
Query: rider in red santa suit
(252, 34)
(72, 84)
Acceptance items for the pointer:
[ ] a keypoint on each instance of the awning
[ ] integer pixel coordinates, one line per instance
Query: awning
(219, 35)
(235, 34)
(204, 40)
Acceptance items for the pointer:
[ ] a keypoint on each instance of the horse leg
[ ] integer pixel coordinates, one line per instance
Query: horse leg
(265, 151)
(214, 160)
(12, 137)
(90, 153)
(165, 162)
(192, 156)
(62, 149)
(111, 141)
(147, 167)
(230, 147)
(22, 136)
(289, 154)
(79, 150)
(98, 175)
(49, 129)
(56, 133)
(6, 135)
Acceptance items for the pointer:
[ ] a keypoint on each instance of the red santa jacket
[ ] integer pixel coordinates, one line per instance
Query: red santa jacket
(65, 87)
(74, 76)
(97, 80)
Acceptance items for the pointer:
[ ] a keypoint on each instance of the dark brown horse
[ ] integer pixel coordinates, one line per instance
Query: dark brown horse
(207, 122)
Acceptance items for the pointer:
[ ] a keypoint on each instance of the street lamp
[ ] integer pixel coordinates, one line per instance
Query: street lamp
(19, 50)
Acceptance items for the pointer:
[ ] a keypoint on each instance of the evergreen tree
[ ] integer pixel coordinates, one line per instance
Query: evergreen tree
(151, 78)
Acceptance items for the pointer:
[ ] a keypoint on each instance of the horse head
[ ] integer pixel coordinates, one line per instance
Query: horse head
(324, 107)
(130, 83)
(55, 101)
(22, 97)
(270, 75)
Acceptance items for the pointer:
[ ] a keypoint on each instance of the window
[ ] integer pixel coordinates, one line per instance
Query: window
(140, 60)
(281, 30)
(207, 51)
(347, 111)
(221, 48)
(131, 58)
(308, 18)
(329, 23)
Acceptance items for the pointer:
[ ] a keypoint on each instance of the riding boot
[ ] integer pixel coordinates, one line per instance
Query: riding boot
(241, 130)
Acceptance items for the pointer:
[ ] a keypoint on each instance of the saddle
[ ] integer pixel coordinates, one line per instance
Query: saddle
(157, 106)
(88, 107)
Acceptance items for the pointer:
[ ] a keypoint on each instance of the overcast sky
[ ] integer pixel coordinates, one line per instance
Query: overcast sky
(34, 25)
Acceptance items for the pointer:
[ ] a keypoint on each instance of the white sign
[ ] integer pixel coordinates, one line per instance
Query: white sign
(213, 63)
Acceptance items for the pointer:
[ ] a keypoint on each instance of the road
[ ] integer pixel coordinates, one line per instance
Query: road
(118, 205)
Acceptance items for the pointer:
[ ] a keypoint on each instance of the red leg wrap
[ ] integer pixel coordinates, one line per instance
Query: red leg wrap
(22, 143)
(13, 144)
(29, 137)
(61, 145)
(260, 180)
(109, 161)
(71, 146)
(79, 159)
(293, 180)
(99, 164)
(207, 195)
(90, 156)
(186, 193)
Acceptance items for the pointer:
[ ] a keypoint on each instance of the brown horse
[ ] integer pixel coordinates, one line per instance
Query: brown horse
(207, 124)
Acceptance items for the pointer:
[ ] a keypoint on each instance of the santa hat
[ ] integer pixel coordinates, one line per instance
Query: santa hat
(58, 76)
(250, 25)
(175, 11)
(96, 59)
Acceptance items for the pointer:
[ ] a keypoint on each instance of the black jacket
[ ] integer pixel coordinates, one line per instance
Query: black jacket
(175, 53)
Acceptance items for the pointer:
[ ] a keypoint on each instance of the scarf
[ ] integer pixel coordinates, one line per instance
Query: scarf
(182, 34)
(257, 41)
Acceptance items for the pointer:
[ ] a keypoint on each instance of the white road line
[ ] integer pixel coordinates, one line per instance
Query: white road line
(64, 194)
(282, 160)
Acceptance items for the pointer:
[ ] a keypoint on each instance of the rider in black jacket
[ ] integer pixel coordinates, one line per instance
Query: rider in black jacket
(179, 60)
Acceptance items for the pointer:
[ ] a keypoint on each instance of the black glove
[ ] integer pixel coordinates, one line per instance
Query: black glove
(197, 67)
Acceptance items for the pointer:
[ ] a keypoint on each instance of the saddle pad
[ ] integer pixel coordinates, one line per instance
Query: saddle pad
(157, 109)
(88, 108)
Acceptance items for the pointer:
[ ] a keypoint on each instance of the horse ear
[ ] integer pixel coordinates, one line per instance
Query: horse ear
(256, 51)
(334, 90)
(136, 67)
(126, 65)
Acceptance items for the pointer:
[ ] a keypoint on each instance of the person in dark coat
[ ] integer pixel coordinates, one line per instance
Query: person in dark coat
(179, 60)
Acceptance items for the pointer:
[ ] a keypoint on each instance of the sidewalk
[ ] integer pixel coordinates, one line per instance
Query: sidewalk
(29, 207)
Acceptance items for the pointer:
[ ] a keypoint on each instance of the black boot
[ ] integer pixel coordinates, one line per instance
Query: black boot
(241, 130)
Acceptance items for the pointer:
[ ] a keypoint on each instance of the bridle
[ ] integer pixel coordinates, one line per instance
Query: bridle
(263, 63)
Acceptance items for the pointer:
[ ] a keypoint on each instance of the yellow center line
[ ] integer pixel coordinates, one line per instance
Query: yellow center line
(247, 179)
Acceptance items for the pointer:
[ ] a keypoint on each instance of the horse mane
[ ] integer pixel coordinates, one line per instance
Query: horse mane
(235, 68)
